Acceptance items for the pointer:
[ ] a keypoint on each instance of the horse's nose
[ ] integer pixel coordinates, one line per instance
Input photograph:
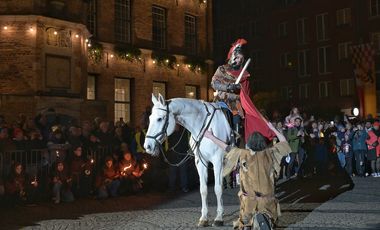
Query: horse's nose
(148, 147)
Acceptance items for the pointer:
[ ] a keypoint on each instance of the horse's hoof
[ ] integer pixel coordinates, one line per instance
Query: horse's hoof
(218, 223)
(203, 223)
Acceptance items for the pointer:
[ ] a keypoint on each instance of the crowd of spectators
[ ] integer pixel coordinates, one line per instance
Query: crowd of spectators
(105, 159)
(323, 147)
(96, 158)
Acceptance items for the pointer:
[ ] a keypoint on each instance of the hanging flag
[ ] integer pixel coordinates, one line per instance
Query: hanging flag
(364, 63)
(364, 71)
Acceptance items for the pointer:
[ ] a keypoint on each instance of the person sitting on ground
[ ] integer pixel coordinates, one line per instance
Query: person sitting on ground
(81, 173)
(108, 181)
(62, 183)
(130, 173)
(19, 188)
(259, 165)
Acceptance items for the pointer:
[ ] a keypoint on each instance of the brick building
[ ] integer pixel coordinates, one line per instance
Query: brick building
(103, 59)
(302, 47)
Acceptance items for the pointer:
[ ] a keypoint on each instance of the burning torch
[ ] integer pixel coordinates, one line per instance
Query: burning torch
(124, 172)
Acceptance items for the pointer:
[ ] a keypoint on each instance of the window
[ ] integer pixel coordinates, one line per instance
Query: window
(191, 91)
(325, 89)
(375, 39)
(322, 26)
(343, 50)
(304, 63)
(190, 34)
(91, 87)
(343, 16)
(374, 8)
(286, 93)
(347, 87)
(324, 60)
(301, 30)
(283, 29)
(285, 60)
(159, 88)
(91, 17)
(304, 91)
(122, 99)
(123, 21)
(159, 27)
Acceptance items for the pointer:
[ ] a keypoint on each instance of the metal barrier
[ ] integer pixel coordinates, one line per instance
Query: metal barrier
(39, 162)
(33, 161)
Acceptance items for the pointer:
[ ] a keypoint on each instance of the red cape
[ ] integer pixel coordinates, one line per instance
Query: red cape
(254, 121)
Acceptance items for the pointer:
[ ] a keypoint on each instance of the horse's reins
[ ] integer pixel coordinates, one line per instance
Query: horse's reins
(191, 151)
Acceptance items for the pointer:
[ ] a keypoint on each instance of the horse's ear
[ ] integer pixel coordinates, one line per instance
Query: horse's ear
(161, 99)
(154, 99)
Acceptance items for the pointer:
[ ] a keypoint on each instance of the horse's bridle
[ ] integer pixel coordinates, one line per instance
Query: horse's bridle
(163, 132)
(197, 140)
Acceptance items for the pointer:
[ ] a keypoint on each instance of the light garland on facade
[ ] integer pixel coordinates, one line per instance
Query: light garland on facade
(89, 45)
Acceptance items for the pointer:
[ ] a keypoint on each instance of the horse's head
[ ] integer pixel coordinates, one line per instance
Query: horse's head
(161, 125)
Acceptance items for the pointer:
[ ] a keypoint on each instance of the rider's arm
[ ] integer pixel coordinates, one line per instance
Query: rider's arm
(218, 85)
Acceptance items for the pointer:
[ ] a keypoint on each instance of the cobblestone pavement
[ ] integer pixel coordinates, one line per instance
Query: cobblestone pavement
(355, 209)
(305, 204)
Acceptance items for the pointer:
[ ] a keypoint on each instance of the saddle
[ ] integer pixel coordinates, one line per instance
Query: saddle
(235, 127)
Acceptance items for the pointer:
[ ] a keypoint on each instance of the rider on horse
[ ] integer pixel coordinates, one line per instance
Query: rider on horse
(227, 92)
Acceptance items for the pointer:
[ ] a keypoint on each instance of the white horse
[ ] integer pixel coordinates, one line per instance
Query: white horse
(196, 116)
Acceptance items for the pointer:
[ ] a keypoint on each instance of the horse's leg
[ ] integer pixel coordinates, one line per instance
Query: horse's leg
(218, 174)
(202, 172)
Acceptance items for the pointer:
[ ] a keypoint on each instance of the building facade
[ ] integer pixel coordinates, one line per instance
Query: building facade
(301, 49)
(102, 59)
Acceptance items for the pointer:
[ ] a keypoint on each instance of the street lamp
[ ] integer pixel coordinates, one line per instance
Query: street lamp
(355, 112)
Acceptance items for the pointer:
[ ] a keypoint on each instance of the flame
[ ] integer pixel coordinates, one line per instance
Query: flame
(127, 167)
(145, 165)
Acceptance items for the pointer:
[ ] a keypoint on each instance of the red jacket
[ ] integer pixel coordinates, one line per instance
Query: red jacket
(371, 142)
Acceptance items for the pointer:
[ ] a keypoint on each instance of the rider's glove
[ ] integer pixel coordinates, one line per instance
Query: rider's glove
(233, 88)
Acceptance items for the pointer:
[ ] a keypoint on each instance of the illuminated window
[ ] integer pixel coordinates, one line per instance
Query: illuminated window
(343, 16)
(159, 27)
(122, 99)
(123, 21)
(159, 88)
(91, 87)
(375, 39)
(191, 91)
